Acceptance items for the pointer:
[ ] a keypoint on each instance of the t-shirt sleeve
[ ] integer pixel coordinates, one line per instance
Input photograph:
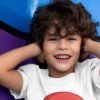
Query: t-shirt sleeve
(96, 74)
(25, 71)
(24, 87)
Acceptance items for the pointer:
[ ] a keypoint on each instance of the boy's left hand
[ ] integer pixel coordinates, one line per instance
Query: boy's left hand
(86, 52)
(87, 45)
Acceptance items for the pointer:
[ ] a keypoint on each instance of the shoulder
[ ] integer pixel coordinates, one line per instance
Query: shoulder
(29, 67)
(89, 64)
(31, 70)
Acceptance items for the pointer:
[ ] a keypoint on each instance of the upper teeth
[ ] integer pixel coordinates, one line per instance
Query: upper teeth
(62, 56)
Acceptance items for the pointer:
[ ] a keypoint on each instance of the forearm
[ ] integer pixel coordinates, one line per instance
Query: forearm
(11, 59)
(93, 47)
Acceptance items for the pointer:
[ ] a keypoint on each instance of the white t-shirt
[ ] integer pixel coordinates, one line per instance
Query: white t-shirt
(83, 84)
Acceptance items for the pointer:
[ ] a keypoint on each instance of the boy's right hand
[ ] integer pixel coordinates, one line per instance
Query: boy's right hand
(34, 49)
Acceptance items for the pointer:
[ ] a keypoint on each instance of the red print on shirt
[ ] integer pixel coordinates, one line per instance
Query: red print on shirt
(63, 96)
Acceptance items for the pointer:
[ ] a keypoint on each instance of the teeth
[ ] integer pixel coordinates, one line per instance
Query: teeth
(63, 57)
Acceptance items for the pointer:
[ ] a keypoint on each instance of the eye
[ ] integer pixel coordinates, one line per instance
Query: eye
(53, 38)
(72, 38)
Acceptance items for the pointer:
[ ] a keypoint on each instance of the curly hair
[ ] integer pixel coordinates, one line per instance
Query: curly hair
(73, 17)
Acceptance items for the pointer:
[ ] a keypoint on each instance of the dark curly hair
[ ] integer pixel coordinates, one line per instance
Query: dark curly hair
(74, 18)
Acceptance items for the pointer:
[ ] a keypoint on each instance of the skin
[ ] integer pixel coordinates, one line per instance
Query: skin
(55, 47)
(51, 48)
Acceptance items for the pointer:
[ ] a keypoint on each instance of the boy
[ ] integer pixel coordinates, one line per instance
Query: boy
(62, 32)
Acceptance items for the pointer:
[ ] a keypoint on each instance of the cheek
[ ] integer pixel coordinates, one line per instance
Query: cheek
(48, 47)
(76, 49)
(47, 51)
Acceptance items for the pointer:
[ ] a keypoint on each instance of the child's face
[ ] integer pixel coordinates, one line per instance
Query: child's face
(61, 54)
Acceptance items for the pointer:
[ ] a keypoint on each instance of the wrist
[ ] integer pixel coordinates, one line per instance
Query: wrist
(89, 45)
(34, 49)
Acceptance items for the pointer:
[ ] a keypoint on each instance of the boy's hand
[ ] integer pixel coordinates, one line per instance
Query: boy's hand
(33, 50)
(87, 45)
(92, 47)
(39, 54)
(86, 51)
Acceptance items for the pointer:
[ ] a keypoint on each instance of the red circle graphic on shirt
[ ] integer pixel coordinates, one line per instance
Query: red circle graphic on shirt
(63, 96)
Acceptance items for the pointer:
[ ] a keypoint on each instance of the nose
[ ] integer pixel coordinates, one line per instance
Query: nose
(62, 44)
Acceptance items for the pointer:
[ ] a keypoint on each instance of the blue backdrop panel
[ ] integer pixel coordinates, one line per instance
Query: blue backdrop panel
(18, 13)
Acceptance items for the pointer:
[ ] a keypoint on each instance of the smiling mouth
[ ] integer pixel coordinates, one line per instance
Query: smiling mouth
(62, 57)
